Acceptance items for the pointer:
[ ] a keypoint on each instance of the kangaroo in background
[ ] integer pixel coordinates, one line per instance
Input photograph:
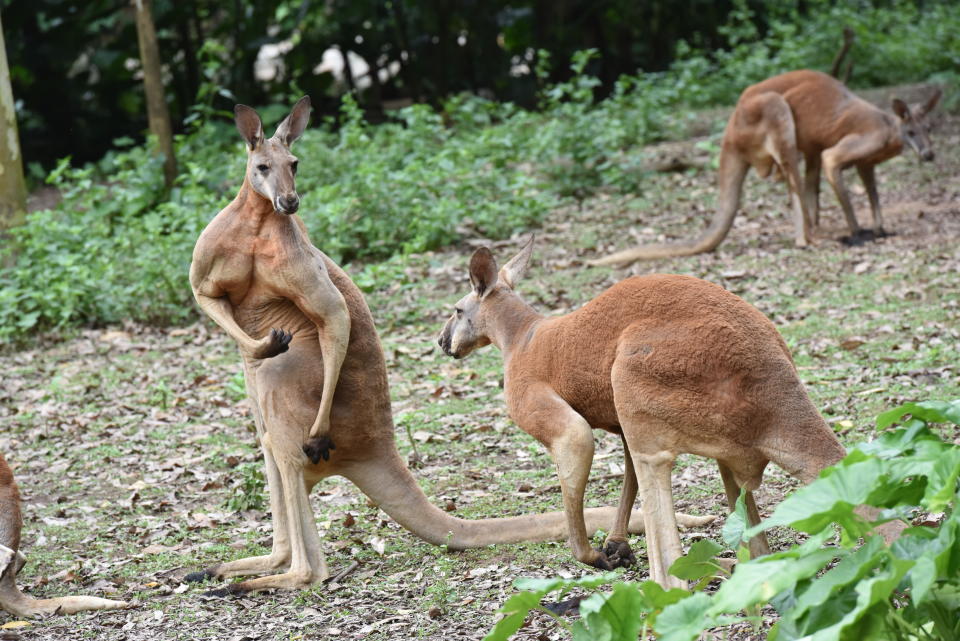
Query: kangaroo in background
(12, 561)
(254, 269)
(809, 114)
(672, 364)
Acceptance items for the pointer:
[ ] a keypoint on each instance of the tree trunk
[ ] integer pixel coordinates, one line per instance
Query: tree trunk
(158, 114)
(13, 191)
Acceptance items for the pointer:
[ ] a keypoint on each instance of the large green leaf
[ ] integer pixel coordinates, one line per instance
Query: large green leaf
(685, 620)
(831, 498)
(873, 591)
(736, 523)
(661, 598)
(935, 558)
(515, 612)
(763, 578)
(518, 607)
(895, 442)
(850, 569)
(929, 411)
(616, 617)
(942, 481)
(698, 562)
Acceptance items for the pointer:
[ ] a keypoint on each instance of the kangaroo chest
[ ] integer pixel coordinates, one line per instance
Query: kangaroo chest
(255, 266)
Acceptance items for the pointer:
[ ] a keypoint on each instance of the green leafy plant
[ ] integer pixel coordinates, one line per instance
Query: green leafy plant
(858, 587)
(249, 489)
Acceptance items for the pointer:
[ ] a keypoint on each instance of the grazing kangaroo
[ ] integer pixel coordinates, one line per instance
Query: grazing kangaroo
(12, 561)
(803, 113)
(670, 363)
(254, 271)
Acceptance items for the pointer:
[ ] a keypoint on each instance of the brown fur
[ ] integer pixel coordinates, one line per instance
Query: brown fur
(673, 364)
(12, 561)
(811, 115)
(242, 277)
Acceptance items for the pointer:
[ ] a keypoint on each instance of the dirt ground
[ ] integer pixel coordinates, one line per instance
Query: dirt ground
(135, 454)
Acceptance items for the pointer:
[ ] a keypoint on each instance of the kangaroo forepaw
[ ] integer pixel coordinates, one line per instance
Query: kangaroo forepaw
(619, 554)
(317, 448)
(278, 343)
(199, 577)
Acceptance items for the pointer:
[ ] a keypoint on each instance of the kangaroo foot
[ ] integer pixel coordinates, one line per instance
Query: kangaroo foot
(200, 577)
(318, 448)
(864, 236)
(562, 607)
(619, 554)
(234, 589)
(601, 562)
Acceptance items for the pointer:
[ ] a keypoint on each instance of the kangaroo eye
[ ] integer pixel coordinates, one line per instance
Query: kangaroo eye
(294, 167)
(911, 132)
(263, 168)
(459, 311)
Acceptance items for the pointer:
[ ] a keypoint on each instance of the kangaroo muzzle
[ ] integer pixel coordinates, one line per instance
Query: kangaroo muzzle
(287, 204)
(445, 341)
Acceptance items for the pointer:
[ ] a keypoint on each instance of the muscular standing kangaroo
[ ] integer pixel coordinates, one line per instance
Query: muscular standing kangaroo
(672, 364)
(12, 561)
(809, 114)
(254, 269)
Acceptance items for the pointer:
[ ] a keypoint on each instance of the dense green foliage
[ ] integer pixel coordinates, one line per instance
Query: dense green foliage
(74, 66)
(118, 246)
(858, 588)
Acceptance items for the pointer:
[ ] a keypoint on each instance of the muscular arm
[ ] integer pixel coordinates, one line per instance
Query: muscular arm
(215, 304)
(324, 305)
(221, 311)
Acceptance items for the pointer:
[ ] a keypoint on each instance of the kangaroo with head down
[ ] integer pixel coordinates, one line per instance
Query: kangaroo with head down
(254, 269)
(672, 364)
(811, 115)
(12, 561)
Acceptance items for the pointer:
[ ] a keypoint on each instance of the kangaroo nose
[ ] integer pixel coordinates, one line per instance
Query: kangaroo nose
(928, 154)
(290, 203)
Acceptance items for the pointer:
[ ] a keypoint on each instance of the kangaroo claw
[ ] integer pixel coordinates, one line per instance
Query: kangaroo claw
(317, 448)
(619, 554)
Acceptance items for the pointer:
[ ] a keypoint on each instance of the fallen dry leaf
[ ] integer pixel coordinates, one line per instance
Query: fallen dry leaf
(851, 344)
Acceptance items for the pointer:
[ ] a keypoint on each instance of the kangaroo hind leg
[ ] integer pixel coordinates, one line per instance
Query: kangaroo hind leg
(849, 151)
(282, 420)
(569, 439)
(279, 557)
(616, 546)
(780, 141)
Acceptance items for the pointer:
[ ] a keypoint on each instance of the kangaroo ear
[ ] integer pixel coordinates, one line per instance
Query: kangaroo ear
(248, 122)
(483, 271)
(901, 109)
(514, 270)
(293, 125)
(932, 101)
